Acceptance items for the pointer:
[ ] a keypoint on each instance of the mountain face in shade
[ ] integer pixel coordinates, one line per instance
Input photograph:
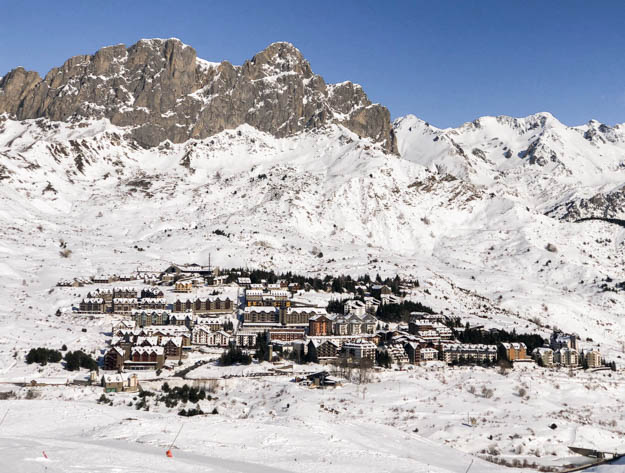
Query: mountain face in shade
(160, 90)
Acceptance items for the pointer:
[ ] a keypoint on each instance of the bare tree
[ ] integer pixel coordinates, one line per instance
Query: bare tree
(364, 370)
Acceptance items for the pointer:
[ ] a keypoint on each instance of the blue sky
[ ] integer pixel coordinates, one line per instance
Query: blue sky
(447, 62)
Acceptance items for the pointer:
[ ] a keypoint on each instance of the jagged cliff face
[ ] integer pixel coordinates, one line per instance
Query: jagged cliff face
(160, 90)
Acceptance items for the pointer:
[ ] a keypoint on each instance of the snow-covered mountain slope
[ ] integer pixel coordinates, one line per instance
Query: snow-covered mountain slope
(323, 201)
(546, 165)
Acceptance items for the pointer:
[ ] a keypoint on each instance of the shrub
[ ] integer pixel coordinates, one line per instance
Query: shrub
(191, 412)
(103, 399)
(383, 359)
(43, 356)
(171, 396)
(78, 359)
(335, 307)
(234, 355)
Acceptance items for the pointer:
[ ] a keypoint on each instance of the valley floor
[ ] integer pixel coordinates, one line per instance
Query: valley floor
(425, 419)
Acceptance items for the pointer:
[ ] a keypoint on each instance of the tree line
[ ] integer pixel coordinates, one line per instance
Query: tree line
(494, 337)
(339, 283)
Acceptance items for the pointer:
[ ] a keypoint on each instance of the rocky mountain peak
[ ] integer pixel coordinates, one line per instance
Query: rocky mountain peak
(159, 90)
(282, 57)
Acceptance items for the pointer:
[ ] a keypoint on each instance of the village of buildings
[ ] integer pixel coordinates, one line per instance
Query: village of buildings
(162, 318)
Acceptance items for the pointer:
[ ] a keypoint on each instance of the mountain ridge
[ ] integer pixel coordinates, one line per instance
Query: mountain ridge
(161, 91)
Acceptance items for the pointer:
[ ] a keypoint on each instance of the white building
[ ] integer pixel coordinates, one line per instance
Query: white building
(566, 357)
(467, 352)
(360, 349)
(428, 354)
(543, 355)
(358, 308)
(205, 336)
(592, 358)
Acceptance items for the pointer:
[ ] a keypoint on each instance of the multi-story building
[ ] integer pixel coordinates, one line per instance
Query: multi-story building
(323, 350)
(353, 324)
(299, 316)
(397, 354)
(214, 324)
(151, 293)
(565, 356)
(275, 298)
(114, 358)
(123, 324)
(245, 282)
(92, 305)
(205, 336)
(168, 331)
(254, 315)
(464, 352)
(124, 306)
(319, 325)
(592, 358)
(516, 351)
(443, 331)
(355, 307)
(245, 339)
(428, 354)
(359, 349)
(144, 318)
(145, 358)
(185, 285)
(182, 318)
(152, 304)
(286, 334)
(412, 349)
(115, 293)
(426, 316)
(543, 356)
(563, 340)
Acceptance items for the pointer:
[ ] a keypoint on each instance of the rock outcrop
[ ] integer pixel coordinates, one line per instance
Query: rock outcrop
(160, 90)
(608, 205)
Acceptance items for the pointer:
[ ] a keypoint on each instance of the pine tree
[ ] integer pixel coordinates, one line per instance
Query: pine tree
(262, 346)
(311, 357)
